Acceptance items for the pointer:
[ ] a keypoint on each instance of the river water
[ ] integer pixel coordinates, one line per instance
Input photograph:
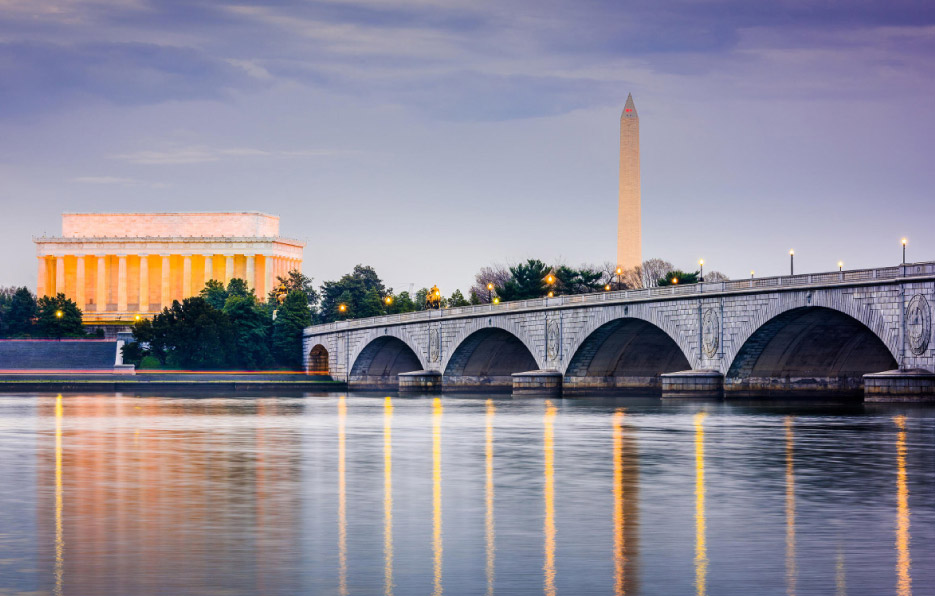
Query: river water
(367, 494)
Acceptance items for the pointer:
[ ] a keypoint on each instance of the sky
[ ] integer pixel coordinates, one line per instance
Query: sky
(431, 139)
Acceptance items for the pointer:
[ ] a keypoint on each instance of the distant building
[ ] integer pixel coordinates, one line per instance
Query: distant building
(629, 249)
(116, 266)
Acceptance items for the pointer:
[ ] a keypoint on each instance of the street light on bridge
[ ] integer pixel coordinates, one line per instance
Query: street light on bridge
(840, 265)
(489, 292)
(701, 266)
(791, 262)
(904, 250)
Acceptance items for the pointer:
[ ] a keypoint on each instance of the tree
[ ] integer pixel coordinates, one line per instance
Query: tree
(191, 335)
(457, 299)
(496, 275)
(252, 329)
(294, 281)
(653, 270)
(351, 290)
(20, 313)
(401, 303)
(292, 318)
(214, 293)
(714, 276)
(527, 280)
(577, 281)
(683, 278)
(58, 317)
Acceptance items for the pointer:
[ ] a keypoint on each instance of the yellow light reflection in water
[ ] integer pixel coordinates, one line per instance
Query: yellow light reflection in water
(342, 499)
(840, 576)
(790, 509)
(619, 518)
(388, 496)
(489, 519)
(548, 436)
(701, 549)
(903, 560)
(59, 533)
(437, 492)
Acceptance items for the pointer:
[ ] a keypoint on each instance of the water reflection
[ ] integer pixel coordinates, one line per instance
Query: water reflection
(342, 497)
(388, 496)
(145, 496)
(903, 561)
(489, 498)
(437, 492)
(791, 574)
(701, 549)
(59, 532)
(626, 534)
(549, 529)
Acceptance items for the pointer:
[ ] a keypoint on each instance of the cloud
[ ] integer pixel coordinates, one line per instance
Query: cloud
(39, 75)
(202, 154)
(107, 180)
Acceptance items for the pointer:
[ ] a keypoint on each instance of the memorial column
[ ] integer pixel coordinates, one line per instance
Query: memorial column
(43, 277)
(101, 294)
(122, 283)
(59, 276)
(166, 282)
(251, 272)
(228, 269)
(209, 268)
(80, 282)
(143, 305)
(186, 276)
(268, 275)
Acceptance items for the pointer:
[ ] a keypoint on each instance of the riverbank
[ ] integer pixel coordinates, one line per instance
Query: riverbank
(144, 381)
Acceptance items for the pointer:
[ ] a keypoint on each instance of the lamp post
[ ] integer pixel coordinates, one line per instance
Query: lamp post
(619, 274)
(607, 288)
(701, 266)
(342, 308)
(791, 262)
(904, 250)
(752, 273)
(840, 266)
(489, 292)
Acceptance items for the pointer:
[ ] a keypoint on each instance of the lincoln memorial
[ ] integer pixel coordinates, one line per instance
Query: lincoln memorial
(117, 266)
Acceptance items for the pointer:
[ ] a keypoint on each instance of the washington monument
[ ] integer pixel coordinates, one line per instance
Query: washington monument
(629, 253)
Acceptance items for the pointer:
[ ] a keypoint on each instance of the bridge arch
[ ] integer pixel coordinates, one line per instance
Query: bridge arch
(601, 316)
(381, 355)
(809, 348)
(485, 356)
(319, 361)
(623, 353)
(472, 326)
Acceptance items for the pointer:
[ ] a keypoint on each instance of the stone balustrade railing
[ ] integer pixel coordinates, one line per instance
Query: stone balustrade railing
(854, 276)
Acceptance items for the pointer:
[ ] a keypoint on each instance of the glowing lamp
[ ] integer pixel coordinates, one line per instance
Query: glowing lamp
(342, 307)
(675, 281)
(389, 300)
(496, 300)
(607, 288)
(490, 286)
(551, 294)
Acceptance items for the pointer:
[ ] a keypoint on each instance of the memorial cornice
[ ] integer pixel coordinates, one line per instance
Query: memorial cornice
(268, 246)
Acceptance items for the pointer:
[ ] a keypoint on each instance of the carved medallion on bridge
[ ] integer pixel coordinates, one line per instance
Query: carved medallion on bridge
(435, 345)
(710, 333)
(553, 338)
(918, 324)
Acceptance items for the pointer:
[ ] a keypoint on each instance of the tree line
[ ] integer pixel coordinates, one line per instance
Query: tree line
(23, 316)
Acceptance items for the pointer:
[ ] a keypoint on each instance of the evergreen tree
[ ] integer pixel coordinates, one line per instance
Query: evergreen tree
(457, 299)
(292, 318)
(527, 280)
(252, 329)
(58, 317)
(214, 293)
(682, 277)
(352, 290)
(20, 313)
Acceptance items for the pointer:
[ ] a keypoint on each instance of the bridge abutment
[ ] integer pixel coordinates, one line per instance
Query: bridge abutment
(420, 381)
(907, 385)
(538, 382)
(693, 384)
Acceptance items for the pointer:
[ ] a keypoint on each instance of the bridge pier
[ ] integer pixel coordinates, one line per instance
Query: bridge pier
(693, 384)
(906, 385)
(538, 382)
(420, 381)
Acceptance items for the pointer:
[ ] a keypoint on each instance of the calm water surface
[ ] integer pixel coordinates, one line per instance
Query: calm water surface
(353, 494)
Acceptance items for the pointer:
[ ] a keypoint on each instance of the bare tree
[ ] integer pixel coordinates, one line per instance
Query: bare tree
(715, 276)
(653, 271)
(496, 274)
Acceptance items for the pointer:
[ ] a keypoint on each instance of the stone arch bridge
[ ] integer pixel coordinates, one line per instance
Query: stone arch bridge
(863, 332)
